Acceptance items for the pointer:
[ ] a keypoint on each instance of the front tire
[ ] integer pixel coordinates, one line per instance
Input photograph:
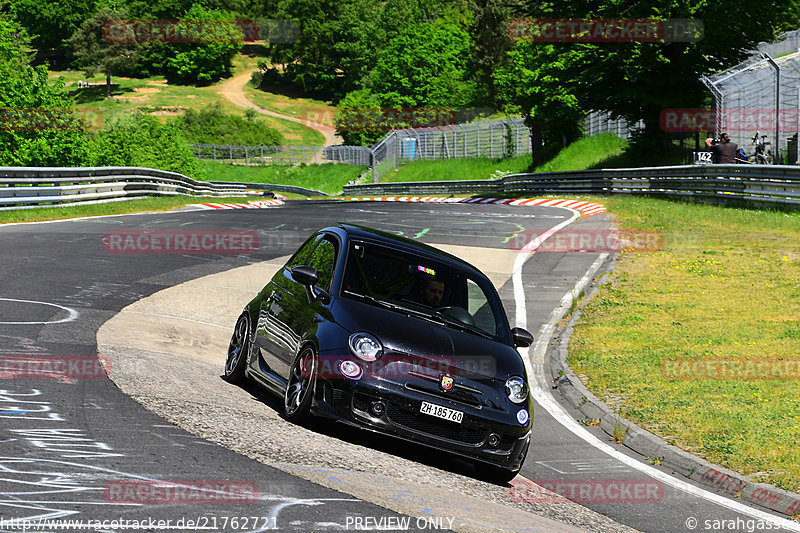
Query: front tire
(300, 389)
(238, 349)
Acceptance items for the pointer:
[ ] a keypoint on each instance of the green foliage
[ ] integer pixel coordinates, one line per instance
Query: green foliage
(638, 80)
(355, 118)
(328, 178)
(95, 52)
(212, 126)
(14, 42)
(170, 9)
(207, 58)
(421, 71)
(492, 43)
(203, 62)
(141, 140)
(337, 44)
(340, 41)
(51, 22)
(38, 125)
(426, 65)
(538, 83)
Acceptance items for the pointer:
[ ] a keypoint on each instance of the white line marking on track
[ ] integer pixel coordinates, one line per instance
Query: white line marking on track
(72, 314)
(540, 387)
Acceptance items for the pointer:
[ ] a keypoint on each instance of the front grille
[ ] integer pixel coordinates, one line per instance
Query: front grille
(457, 395)
(437, 428)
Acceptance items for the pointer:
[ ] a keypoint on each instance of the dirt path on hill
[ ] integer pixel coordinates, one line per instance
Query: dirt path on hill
(233, 90)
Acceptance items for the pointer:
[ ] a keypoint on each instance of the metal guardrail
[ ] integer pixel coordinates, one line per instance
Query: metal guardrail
(276, 187)
(29, 187)
(764, 185)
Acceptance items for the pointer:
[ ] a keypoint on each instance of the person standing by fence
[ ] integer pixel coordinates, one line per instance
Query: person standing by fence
(724, 152)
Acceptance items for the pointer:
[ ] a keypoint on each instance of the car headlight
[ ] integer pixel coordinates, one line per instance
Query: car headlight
(516, 389)
(365, 346)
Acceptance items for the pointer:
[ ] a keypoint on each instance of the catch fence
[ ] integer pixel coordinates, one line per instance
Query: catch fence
(259, 155)
(494, 139)
(761, 94)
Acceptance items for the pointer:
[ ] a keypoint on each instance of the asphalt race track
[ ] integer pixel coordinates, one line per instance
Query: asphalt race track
(74, 447)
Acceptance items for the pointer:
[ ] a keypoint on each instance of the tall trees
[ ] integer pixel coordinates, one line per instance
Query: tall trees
(337, 43)
(209, 57)
(492, 42)
(638, 80)
(426, 65)
(539, 84)
(51, 23)
(97, 51)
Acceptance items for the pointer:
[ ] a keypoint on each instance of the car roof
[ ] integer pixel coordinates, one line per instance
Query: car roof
(382, 237)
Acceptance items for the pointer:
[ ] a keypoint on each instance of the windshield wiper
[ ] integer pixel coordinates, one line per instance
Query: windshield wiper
(399, 308)
(450, 321)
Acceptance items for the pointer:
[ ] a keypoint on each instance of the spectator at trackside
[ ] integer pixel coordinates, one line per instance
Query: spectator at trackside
(723, 152)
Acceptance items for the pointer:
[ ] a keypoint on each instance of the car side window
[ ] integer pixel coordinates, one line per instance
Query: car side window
(480, 309)
(323, 258)
(302, 254)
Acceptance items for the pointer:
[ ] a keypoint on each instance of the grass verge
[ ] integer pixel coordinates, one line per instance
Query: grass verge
(328, 178)
(481, 168)
(725, 287)
(112, 208)
(589, 152)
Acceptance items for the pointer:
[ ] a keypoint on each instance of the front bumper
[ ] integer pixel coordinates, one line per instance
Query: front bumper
(488, 432)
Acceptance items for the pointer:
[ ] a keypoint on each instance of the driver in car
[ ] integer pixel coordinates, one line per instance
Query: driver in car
(430, 292)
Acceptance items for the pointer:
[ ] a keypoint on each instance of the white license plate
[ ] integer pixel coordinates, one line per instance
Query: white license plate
(444, 413)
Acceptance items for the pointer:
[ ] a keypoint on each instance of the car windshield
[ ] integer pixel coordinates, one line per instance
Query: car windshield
(414, 285)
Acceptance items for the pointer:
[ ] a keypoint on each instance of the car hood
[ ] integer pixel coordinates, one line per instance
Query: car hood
(437, 345)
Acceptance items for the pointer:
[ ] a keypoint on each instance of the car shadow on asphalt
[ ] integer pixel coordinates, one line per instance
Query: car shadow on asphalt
(397, 447)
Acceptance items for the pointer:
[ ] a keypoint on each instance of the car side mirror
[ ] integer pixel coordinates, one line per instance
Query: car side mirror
(521, 337)
(308, 277)
(305, 275)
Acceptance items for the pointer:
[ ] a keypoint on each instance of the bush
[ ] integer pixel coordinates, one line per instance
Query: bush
(141, 140)
(38, 124)
(358, 119)
(212, 126)
(194, 63)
